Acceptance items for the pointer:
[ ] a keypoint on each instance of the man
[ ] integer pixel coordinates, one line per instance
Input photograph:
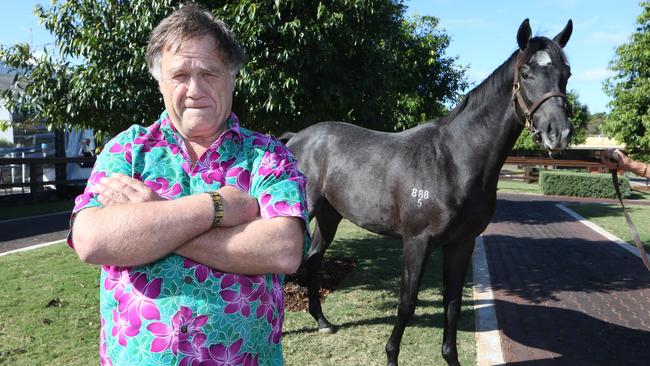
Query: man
(193, 219)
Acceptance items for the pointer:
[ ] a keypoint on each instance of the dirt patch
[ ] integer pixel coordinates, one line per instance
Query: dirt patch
(332, 271)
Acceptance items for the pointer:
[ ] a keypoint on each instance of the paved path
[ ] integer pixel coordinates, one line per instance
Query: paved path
(564, 294)
(29, 231)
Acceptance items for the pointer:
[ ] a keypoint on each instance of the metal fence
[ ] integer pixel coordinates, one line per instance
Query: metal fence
(23, 174)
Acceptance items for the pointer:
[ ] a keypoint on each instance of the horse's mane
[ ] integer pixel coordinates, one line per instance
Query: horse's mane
(501, 79)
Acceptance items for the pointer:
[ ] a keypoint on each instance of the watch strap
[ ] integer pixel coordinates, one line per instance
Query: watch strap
(218, 208)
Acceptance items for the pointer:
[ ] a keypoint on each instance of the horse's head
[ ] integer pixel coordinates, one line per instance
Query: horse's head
(539, 89)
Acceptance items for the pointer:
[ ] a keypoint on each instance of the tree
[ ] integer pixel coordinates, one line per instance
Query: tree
(594, 122)
(579, 115)
(355, 60)
(629, 119)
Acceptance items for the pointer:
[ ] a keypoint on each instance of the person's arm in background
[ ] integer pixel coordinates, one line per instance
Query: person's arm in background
(616, 159)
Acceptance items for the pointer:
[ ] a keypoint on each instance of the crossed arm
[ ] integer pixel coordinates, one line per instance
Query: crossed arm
(136, 226)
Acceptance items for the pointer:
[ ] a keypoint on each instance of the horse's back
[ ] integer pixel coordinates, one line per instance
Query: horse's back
(355, 169)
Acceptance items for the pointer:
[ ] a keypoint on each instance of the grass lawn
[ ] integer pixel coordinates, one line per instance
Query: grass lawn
(49, 310)
(515, 186)
(610, 217)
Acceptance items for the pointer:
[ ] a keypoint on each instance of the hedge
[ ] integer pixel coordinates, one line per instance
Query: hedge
(581, 184)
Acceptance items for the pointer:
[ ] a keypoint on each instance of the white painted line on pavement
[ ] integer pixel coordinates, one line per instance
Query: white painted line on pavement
(630, 248)
(488, 337)
(37, 246)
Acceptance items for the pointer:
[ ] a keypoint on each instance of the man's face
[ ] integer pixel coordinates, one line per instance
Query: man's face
(197, 88)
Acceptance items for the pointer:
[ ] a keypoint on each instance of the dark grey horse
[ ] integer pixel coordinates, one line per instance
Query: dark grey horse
(433, 185)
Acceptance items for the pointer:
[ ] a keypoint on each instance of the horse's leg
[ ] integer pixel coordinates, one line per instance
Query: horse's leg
(455, 262)
(416, 253)
(327, 220)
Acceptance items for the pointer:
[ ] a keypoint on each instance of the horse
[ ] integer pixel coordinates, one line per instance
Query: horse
(433, 185)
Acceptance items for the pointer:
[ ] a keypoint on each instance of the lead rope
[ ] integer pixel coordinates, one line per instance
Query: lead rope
(630, 224)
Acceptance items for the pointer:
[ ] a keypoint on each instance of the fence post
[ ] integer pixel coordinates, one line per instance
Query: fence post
(22, 188)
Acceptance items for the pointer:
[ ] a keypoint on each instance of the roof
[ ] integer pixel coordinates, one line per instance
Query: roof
(599, 143)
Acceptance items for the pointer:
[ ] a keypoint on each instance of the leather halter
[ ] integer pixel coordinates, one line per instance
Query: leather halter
(518, 98)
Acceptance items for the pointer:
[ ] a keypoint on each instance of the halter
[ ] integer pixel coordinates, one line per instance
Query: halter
(518, 98)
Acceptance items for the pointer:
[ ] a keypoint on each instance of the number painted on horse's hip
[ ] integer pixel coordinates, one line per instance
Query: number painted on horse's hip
(419, 195)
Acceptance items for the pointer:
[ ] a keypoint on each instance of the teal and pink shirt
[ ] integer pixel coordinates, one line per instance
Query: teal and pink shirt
(176, 311)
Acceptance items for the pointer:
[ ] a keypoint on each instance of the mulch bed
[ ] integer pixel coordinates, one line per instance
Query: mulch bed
(332, 271)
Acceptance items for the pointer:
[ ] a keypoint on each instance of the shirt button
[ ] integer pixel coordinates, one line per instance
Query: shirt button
(187, 279)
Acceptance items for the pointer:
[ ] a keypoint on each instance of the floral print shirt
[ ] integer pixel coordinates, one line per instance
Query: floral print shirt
(176, 311)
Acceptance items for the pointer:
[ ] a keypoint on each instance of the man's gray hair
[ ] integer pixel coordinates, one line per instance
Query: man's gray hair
(191, 21)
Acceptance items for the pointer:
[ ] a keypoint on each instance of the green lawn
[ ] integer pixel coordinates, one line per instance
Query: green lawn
(610, 217)
(516, 186)
(49, 310)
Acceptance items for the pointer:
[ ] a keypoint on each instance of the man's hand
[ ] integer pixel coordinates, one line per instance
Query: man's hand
(614, 159)
(119, 189)
(238, 206)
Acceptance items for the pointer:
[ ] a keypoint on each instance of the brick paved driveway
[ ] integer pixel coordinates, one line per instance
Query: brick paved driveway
(564, 294)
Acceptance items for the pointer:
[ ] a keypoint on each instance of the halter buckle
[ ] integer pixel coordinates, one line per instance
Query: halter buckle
(528, 122)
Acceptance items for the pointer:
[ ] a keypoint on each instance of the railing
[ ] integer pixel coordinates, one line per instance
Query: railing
(34, 165)
(529, 162)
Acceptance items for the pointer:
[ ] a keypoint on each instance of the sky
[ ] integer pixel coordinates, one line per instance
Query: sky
(483, 33)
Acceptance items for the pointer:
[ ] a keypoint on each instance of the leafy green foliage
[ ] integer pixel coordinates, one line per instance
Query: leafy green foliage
(581, 184)
(594, 123)
(359, 61)
(5, 143)
(578, 118)
(629, 119)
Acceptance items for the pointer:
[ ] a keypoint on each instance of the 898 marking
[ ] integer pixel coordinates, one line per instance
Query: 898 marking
(420, 195)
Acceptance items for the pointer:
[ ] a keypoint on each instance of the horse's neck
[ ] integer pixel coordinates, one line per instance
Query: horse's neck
(488, 130)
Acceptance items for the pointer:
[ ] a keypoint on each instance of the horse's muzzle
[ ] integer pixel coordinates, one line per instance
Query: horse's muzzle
(556, 139)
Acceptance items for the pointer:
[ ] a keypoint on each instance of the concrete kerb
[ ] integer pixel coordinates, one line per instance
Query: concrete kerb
(487, 334)
(622, 243)
(37, 246)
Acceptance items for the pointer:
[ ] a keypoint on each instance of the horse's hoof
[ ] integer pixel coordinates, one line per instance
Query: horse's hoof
(327, 330)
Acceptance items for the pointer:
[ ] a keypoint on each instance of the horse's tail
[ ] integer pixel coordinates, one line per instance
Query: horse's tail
(286, 136)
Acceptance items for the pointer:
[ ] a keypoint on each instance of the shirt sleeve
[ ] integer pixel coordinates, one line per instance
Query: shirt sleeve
(116, 157)
(280, 187)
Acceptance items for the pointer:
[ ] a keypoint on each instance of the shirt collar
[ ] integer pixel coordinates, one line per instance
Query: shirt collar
(232, 131)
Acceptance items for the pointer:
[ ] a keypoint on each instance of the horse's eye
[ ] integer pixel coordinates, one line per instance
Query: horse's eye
(524, 74)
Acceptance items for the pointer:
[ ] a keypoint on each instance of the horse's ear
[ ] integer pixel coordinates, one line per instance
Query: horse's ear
(523, 34)
(562, 38)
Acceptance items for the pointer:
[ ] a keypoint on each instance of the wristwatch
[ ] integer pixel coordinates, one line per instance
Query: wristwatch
(218, 208)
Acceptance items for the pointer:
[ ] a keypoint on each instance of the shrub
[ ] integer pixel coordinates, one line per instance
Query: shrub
(581, 184)
(4, 143)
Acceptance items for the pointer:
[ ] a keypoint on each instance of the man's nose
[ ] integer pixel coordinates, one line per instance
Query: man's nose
(194, 88)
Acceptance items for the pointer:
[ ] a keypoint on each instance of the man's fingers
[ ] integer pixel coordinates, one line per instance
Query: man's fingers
(108, 196)
(120, 185)
(131, 182)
